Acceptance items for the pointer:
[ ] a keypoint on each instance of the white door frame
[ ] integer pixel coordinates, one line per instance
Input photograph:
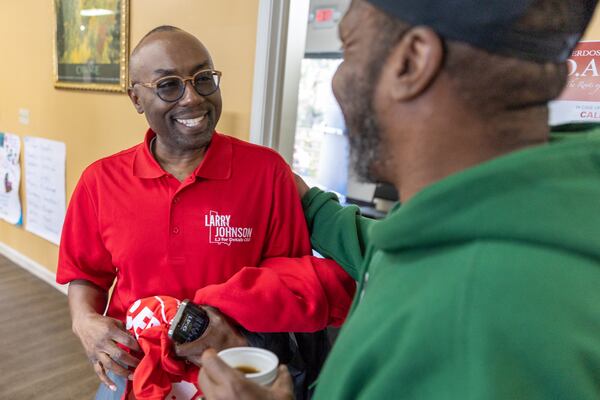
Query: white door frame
(280, 44)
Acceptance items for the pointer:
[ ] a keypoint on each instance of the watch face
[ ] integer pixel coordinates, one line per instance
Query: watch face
(189, 323)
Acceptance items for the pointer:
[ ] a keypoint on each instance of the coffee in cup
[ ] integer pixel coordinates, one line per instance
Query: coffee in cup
(258, 365)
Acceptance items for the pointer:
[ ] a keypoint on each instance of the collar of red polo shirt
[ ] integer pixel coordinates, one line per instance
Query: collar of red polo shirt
(215, 165)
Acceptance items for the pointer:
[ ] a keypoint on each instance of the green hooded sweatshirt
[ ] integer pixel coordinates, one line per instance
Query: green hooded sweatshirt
(485, 285)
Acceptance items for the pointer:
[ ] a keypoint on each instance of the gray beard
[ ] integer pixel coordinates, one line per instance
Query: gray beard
(365, 144)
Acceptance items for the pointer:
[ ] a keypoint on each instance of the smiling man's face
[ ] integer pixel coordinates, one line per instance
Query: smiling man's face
(188, 123)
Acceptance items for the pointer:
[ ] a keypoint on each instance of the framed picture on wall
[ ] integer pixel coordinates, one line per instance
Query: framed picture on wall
(91, 44)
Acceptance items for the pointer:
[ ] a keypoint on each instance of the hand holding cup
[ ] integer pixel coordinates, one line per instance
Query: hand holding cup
(219, 381)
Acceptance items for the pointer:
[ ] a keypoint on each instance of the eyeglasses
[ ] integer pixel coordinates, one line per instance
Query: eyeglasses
(171, 88)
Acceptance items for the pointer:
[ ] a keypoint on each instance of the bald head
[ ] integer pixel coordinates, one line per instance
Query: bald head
(159, 42)
(161, 28)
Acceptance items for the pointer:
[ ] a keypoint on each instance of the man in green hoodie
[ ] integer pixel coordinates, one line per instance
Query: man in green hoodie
(485, 283)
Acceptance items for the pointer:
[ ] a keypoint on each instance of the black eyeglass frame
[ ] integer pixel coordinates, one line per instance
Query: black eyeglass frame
(216, 75)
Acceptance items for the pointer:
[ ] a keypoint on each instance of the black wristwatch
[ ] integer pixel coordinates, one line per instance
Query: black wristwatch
(189, 323)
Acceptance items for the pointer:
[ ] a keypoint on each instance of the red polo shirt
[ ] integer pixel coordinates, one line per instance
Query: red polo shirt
(129, 219)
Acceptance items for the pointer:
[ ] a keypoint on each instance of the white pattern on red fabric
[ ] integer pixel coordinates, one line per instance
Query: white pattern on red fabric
(160, 374)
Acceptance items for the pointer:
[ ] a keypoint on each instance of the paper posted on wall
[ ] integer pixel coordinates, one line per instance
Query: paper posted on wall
(45, 187)
(580, 100)
(10, 176)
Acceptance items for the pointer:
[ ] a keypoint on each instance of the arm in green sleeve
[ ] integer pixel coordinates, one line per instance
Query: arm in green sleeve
(336, 232)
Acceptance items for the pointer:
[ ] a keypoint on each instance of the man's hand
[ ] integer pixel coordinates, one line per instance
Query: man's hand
(301, 185)
(218, 381)
(99, 336)
(219, 335)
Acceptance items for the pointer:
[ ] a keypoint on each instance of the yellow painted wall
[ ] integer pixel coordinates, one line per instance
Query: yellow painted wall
(95, 124)
(593, 31)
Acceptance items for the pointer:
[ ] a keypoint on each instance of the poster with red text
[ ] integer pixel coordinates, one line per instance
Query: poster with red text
(580, 100)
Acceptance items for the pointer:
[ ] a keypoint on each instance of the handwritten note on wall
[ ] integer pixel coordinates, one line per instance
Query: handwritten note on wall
(45, 187)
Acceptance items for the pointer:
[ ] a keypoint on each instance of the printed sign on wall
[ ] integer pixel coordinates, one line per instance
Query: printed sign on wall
(580, 101)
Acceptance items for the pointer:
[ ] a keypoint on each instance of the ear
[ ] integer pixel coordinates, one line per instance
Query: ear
(414, 63)
(135, 99)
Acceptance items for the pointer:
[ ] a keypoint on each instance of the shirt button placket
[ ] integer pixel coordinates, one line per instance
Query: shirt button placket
(175, 229)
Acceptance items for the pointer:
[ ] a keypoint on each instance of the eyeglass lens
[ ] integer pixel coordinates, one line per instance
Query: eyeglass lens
(172, 88)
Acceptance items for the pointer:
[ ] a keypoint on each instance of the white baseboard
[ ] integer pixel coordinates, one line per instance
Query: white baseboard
(35, 268)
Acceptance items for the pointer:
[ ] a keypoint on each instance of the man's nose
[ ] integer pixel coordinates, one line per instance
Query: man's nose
(190, 95)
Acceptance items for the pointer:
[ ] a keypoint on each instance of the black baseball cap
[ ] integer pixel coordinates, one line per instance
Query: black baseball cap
(489, 25)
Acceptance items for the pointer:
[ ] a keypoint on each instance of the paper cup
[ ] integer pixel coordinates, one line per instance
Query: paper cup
(258, 365)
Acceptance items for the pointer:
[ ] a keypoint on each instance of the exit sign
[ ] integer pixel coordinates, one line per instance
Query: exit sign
(324, 15)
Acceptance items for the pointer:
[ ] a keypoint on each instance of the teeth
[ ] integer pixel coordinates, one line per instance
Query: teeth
(190, 123)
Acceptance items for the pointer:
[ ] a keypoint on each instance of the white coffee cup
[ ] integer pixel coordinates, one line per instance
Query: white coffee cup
(264, 362)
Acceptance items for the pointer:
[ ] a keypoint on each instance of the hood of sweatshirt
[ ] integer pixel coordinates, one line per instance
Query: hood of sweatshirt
(547, 195)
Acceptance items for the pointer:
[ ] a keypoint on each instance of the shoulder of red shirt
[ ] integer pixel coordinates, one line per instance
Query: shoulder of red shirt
(264, 154)
(257, 153)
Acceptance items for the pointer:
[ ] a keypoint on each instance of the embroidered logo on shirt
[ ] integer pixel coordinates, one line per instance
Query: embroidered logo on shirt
(221, 232)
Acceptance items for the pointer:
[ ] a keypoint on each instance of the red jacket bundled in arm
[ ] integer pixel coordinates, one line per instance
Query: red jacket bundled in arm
(304, 294)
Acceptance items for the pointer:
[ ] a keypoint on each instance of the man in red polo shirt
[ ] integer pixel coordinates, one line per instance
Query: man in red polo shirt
(185, 209)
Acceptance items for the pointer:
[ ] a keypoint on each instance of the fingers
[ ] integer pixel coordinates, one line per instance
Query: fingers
(117, 354)
(221, 333)
(99, 369)
(207, 385)
(125, 338)
(192, 350)
(216, 369)
(218, 335)
(124, 358)
(100, 337)
(110, 364)
(120, 355)
(195, 360)
(219, 381)
(284, 380)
